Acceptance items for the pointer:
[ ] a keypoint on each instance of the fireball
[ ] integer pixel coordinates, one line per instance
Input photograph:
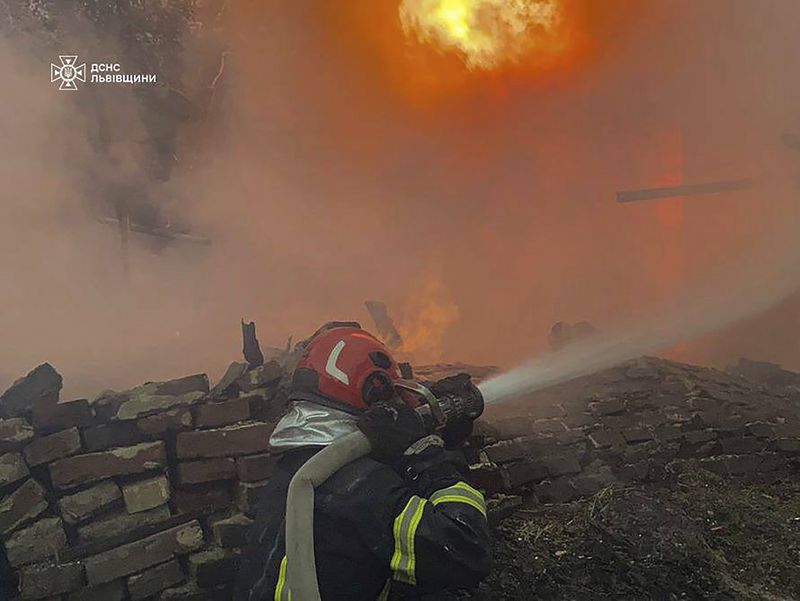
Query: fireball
(486, 33)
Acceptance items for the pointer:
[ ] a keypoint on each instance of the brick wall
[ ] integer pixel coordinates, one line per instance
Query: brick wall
(146, 494)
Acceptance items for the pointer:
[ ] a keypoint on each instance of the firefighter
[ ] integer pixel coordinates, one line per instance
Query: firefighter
(397, 524)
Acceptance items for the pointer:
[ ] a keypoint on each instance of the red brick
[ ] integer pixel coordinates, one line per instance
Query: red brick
(24, 504)
(212, 415)
(55, 446)
(82, 469)
(245, 439)
(51, 418)
(144, 553)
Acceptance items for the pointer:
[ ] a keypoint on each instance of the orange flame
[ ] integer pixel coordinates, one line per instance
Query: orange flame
(486, 33)
(427, 317)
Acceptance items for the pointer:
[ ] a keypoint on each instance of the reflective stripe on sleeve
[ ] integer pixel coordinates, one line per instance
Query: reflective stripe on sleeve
(282, 592)
(403, 562)
(461, 492)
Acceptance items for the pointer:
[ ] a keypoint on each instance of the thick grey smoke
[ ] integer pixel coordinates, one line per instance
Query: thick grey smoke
(481, 213)
(750, 287)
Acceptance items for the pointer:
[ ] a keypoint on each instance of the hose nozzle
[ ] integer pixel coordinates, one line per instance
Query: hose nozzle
(448, 401)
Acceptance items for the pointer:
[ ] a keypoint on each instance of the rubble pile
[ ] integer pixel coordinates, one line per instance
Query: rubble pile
(637, 423)
(149, 493)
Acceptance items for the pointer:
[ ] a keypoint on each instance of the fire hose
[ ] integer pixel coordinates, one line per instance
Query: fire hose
(301, 569)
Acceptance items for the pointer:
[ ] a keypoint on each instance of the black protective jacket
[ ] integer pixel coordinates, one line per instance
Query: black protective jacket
(380, 532)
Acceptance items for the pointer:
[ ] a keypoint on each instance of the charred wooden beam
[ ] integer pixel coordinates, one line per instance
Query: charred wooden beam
(685, 190)
(384, 323)
(250, 347)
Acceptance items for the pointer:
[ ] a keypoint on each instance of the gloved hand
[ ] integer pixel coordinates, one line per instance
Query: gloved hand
(391, 428)
(457, 432)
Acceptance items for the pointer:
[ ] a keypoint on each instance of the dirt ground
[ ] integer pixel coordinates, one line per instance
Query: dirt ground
(694, 537)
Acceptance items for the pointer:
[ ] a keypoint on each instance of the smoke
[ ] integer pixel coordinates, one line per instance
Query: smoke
(749, 287)
(341, 161)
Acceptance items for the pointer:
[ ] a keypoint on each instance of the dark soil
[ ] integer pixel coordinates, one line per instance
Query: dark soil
(695, 537)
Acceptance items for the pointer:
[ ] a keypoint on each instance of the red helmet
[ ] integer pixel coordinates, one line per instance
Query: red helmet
(346, 368)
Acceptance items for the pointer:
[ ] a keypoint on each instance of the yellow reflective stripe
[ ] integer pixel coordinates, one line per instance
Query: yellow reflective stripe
(281, 592)
(461, 492)
(403, 561)
(461, 499)
(412, 558)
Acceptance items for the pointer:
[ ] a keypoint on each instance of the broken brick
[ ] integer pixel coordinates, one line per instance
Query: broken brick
(144, 553)
(244, 439)
(122, 522)
(40, 386)
(83, 505)
(24, 504)
(55, 446)
(212, 415)
(227, 386)
(172, 420)
(150, 398)
(82, 469)
(146, 494)
(51, 418)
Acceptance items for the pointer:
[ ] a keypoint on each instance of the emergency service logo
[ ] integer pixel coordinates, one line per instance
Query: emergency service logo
(68, 72)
